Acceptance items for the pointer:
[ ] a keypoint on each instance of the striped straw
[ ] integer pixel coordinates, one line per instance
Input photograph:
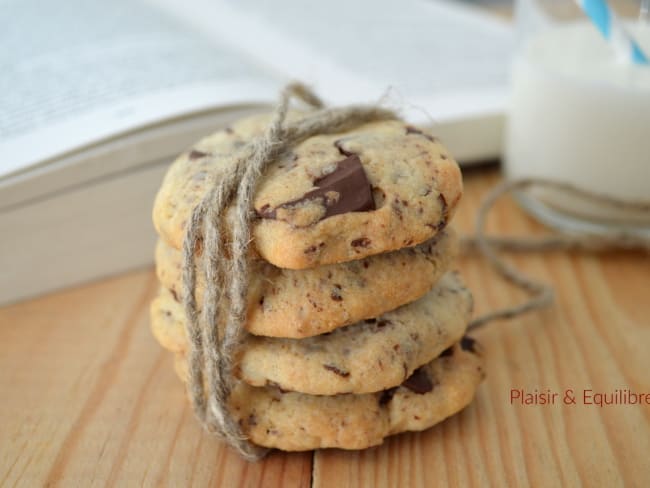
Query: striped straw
(612, 29)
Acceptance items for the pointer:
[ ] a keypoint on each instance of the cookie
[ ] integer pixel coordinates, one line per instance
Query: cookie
(364, 357)
(297, 422)
(332, 198)
(289, 303)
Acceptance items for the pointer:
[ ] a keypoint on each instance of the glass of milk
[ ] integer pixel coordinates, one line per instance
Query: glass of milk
(579, 114)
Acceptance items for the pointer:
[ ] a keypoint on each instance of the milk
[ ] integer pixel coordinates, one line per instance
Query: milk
(580, 116)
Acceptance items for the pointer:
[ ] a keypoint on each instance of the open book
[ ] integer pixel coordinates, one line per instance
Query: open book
(98, 97)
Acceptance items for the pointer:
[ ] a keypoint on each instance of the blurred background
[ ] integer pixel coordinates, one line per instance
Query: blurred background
(97, 98)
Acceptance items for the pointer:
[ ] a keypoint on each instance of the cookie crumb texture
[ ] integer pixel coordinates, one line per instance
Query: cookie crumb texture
(297, 422)
(307, 206)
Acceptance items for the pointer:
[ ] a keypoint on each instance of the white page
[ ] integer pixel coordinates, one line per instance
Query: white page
(78, 71)
(448, 59)
(81, 71)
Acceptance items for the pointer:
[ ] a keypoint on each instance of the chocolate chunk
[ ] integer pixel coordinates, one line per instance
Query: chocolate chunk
(468, 344)
(447, 352)
(413, 130)
(387, 396)
(419, 382)
(194, 154)
(337, 371)
(174, 295)
(361, 242)
(336, 293)
(346, 189)
(266, 211)
(445, 212)
(443, 204)
(313, 249)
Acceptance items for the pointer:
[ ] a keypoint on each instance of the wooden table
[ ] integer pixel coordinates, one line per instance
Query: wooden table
(89, 398)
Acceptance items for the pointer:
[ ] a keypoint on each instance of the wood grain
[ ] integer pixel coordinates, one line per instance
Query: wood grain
(89, 398)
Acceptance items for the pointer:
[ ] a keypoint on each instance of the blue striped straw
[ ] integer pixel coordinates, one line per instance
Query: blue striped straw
(612, 29)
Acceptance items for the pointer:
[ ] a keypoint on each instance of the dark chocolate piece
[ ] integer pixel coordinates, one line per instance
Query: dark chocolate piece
(346, 189)
(443, 204)
(310, 249)
(447, 352)
(468, 344)
(419, 382)
(387, 395)
(174, 295)
(336, 293)
(194, 154)
(445, 212)
(266, 211)
(337, 371)
(361, 242)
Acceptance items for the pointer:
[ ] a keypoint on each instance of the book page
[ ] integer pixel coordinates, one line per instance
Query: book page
(448, 59)
(80, 71)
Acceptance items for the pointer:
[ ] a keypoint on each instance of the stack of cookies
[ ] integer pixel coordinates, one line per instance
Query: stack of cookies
(356, 320)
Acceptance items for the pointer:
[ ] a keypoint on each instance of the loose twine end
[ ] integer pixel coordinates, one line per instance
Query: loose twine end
(541, 295)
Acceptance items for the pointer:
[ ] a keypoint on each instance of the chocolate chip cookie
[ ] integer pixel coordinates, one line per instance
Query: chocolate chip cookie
(368, 356)
(297, 422)
(303, 303)
(332, 198)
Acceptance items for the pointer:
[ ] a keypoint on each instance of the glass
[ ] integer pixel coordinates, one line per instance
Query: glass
(579, 113)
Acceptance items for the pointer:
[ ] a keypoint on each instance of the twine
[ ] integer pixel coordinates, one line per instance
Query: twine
(215, 336)
(212, 351)
(541, 295)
